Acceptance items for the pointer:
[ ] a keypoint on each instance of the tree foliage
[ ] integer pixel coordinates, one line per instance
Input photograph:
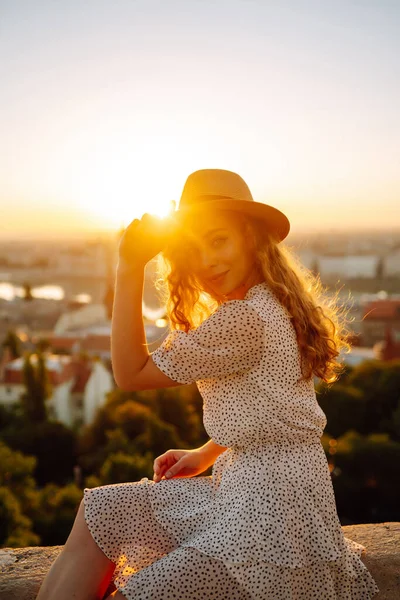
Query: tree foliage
(38, 389)
(138, 422)
(53, 445)
(365, 400)
(121, 468)
(366, 472)
(56, 512)
(18, 495)
(13, 343)
(39, 501)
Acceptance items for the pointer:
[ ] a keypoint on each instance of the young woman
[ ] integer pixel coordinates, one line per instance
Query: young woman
(251, 327)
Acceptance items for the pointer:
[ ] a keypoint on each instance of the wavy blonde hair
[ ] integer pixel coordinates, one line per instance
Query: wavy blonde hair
(319, 321)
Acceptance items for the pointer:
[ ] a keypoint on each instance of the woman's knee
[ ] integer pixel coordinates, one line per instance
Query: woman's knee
(80, 532)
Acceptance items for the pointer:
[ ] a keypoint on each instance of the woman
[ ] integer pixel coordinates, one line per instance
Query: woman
(251, 328)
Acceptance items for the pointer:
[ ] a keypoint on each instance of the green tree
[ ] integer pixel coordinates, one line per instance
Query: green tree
(128, 422)
(344, 407)
(56, 512)
(158, 437)
(394, 424)
(43, 345)
(36, 381)
(366, 468)
(10, 417)
(182, 408)
(15, 528)
(365, 399)
(51, 443)
(12, 342)
(16, 473)
(18, 498)
(121, 468)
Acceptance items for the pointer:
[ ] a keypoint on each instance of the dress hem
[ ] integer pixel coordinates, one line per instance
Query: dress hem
(335, 569)
(200, 539)
(95, 537)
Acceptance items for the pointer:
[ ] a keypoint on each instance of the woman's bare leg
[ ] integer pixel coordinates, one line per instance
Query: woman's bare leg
(81, 571)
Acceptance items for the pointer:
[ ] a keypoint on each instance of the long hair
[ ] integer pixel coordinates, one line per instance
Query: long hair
(319, 321)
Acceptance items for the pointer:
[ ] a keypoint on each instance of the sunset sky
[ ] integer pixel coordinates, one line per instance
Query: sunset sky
(107, 106)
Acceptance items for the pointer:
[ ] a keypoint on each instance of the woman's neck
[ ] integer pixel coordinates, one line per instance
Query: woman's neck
(241, 290)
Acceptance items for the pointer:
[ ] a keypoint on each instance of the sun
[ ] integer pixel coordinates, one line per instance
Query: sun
(120, 186)
(122, 210)
(161, 209)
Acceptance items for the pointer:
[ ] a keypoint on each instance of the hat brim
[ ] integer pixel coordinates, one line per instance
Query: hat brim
(276, 221)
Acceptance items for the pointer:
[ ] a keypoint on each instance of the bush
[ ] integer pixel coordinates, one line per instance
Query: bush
(51, 443)
(366, 468)
(121, 468)
(15, 528)
(366, 399)
(344, 408)
(128, 426)
(18, 498)
(56, 513)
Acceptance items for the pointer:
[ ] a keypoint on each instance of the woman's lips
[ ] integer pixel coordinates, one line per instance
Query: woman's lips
(219, 277)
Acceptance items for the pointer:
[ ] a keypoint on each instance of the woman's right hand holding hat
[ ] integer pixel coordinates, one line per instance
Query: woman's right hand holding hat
(144, 238)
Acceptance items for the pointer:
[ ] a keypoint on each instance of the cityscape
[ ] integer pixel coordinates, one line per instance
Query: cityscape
(70, 287)
(110, 111)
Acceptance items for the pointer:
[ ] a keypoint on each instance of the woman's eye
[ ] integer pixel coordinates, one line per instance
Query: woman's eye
(218, 241)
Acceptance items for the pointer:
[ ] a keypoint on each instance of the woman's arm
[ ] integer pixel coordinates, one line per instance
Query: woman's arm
(212, 450)
(132, 365)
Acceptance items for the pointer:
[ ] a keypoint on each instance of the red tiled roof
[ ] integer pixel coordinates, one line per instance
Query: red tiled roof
(390, 348)
(55, 377)
(59, 341)
(12, 377)
(382, 309)
(93, 343)
(76, 369)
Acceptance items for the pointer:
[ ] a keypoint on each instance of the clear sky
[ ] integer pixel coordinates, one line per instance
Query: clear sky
(107, 106)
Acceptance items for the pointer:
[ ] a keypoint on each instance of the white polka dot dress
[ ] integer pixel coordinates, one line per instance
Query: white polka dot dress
(264, 525)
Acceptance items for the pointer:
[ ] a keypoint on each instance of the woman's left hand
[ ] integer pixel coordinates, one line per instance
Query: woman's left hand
(144, 238)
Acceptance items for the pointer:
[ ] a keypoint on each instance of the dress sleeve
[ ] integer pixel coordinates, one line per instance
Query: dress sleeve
(230, 341)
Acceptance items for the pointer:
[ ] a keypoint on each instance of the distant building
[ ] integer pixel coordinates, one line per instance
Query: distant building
(358, 355)
(348, 267)
(389, 348)
(377, 317)
(96, 341)
(82, 317)
(91, 261)
(391, 264)
(79, 387)
(308, 258)
(88, 328)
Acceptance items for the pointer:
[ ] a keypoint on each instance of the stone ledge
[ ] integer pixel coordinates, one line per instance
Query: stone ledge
(23, 569)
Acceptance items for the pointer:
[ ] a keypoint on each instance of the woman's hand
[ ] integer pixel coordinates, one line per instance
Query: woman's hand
(144, 238)
(180, 463)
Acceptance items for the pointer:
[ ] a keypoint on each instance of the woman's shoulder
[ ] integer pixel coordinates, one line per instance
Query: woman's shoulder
(237, 318)
(247, 305)
(230, 341)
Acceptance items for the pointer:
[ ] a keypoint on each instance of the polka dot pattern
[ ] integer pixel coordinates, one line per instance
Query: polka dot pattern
(217, 348)
(264, 525)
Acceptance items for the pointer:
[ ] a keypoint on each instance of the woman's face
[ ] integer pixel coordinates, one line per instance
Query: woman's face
(216, 250)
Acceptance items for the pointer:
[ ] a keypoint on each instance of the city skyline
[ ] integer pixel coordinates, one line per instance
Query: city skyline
(107, 107)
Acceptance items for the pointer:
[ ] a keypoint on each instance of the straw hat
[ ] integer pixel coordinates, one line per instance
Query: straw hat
(221, 189)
